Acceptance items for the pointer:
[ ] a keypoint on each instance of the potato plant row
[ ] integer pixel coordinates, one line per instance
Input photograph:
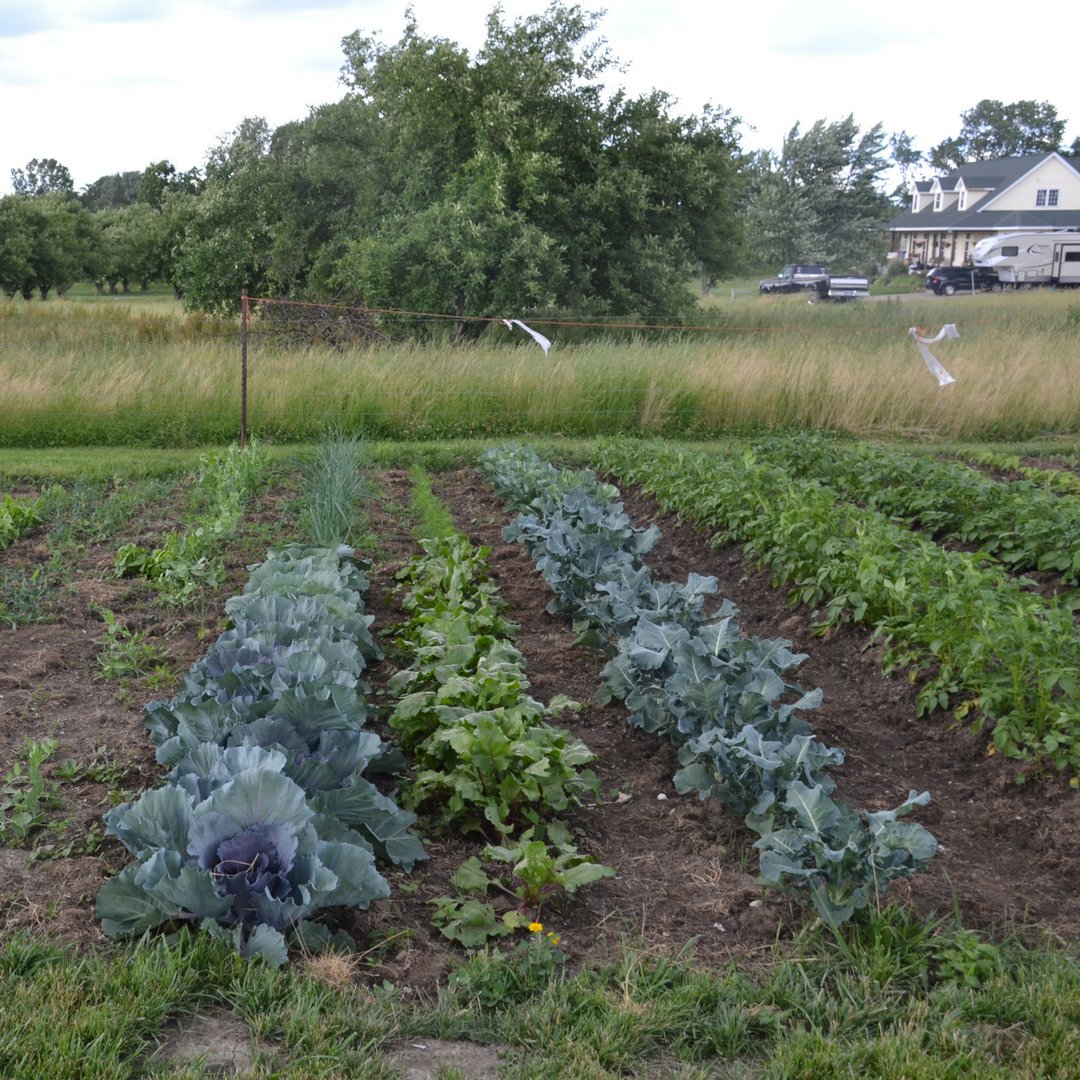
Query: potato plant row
(974, 636)
(1016, 522)
(1062, 481)
(725, 700)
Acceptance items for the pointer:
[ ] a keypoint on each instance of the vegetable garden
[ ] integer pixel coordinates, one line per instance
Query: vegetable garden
(699, 702)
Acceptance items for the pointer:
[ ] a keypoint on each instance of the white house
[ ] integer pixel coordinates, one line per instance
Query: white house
(950, 214)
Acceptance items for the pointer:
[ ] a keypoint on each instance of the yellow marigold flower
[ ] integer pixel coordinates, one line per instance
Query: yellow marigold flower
(535, 927)
(554, 938)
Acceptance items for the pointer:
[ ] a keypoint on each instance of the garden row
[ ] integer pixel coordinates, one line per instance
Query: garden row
(1016, 522)
(725, 700)
(976, 639)
(1062, 480)
(486, 761)
(267, 814)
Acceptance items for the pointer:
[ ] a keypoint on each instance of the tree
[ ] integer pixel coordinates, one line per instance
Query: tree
(160, 177)
(46, 242)
(820, 198)
(504, 182)
(228, 235)
(44, 176)
(111, 192)
(992, 129)
(906, 158)
(134, 244)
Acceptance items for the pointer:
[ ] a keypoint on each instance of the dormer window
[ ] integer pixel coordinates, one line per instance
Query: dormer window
(937, 200)
(1046, 196)
(962, 204)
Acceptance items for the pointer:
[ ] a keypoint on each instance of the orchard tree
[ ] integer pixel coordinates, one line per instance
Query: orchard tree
(992, 129)
(229, 236)
(42, 176)
(46, 242)
(160, 177)
(134, 239)
(540, 187)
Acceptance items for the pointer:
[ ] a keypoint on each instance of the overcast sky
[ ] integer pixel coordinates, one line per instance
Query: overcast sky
(107, 86)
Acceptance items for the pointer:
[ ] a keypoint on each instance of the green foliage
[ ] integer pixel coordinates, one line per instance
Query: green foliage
(726, 701)
(334, 484)
(266, 816)
(188, 561)
(135, 246)
(17, 516)
(25, 596)
(47, 242)
(26, 797)
(819, 198)
(468, 186)
(843, 863)
(500, 769)
(126, 654)
(993, 129)
(498, 979)
(977, 638)
(42, 176)
(965, 959)
(486, 761)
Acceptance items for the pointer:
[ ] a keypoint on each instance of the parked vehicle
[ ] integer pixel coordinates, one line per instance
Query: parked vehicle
(946, 280)
(798, 277)
(1031, 258)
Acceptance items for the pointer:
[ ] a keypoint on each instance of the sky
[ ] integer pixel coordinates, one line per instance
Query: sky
(108, 86)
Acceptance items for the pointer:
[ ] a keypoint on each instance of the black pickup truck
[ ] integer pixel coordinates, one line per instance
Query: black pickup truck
(798, 277)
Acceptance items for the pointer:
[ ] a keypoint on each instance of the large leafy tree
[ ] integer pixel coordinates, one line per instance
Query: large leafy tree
(820, 198)
(993, 129)
(134, 246)
(500, 183)
(46, 242)
(42, 176)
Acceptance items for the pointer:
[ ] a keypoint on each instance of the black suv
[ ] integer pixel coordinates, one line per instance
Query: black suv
(946, 280)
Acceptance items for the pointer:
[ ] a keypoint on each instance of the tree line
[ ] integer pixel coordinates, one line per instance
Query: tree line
(508, 181)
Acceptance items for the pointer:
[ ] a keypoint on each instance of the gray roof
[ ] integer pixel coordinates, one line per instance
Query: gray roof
(970, 220)
(995, 174)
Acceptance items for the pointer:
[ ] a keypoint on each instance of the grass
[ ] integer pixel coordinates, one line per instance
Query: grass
(130, 374)
(870, 1004)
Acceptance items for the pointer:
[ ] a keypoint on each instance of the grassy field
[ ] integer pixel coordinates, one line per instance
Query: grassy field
(127, 387)
(127, 371)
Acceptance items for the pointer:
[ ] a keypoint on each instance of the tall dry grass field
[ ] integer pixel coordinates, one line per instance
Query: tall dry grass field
(76, 374)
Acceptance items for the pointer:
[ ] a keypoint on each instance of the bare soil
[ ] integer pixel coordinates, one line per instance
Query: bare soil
(1008, 857)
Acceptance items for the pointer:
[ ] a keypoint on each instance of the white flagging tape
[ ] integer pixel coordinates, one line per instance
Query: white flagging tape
(536, 336)
(947, 331)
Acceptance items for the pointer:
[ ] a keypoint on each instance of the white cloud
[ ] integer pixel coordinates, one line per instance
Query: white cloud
(112, 85)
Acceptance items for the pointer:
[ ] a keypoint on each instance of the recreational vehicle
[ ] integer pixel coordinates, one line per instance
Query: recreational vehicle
(1031, 258)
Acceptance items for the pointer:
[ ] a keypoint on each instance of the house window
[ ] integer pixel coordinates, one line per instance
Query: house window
(937, 201)
(963, 201)
(1046, 196)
